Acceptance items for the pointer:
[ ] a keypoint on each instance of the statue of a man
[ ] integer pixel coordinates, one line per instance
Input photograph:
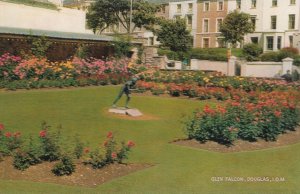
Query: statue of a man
(126, 89)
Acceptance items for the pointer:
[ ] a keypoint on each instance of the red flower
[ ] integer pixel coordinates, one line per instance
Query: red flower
(130, 144)
(1, 127)
(221, 109)
(7, 134)
(109, 135)
(86, 150)
(114, 155)
(43, 133)
(208, 110)
(277, 113)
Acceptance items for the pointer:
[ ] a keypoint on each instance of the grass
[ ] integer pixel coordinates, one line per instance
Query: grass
(34, 3)
(177, 170)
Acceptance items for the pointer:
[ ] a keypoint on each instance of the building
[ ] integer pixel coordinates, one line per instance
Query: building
(275, 21)
(210, 14)
(187, 10)
(63, 27)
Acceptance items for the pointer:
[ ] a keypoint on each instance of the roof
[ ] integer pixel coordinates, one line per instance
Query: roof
(54, 34)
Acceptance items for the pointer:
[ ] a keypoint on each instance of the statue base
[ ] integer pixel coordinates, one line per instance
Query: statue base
(126, 111)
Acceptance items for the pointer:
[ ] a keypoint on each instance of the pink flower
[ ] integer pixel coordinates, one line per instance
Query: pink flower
(114, 155)
(1, 127)
(109, 135)
(130, 144)
(8, 134)
(43, 133)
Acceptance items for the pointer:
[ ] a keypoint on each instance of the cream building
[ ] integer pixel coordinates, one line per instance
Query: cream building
(186, 9)
(276, 21)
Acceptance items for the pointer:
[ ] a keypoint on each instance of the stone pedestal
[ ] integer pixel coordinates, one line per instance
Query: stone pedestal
(124, 111)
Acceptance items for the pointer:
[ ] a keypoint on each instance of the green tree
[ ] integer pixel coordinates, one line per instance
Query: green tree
(105, 13)
(174, 35)
(235, 26)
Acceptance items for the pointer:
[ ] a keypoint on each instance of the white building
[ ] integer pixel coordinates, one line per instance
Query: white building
(276, 21)
(185, 9)
(22, 16)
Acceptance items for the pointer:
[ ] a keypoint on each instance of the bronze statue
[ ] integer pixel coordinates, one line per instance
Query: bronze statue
(126, 89)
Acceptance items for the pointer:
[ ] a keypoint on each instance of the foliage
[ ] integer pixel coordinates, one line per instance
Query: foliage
(122, 46)
(39, 45)
(79, 147)
(105, 13)
(174, 35)
(252, 51)
(66, 166)
(33, 3)
(235, 26)
(82, 51)
(270, 56)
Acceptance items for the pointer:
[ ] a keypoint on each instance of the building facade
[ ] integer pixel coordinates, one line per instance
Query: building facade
(186, 10)
(210, 14)
(276, 21)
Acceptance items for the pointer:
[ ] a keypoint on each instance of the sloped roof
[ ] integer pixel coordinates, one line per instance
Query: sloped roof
(54, 34)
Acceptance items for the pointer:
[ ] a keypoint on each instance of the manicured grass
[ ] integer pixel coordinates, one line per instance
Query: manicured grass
(177, 170)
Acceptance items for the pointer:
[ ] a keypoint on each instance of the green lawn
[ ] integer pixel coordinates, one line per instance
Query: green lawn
(177, 170)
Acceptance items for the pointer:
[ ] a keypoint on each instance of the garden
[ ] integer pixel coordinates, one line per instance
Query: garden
(176, 148)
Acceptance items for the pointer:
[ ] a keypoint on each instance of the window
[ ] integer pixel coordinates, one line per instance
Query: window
(254, 40)
(238, 4)
(220, 5)
(253, 3)
(292, 21)
(178, 8)
(206, 6)
(291, 39)
(205, 42)
(270, 42)
(253, 21)
(219, 22)
(274, 3)
(279, 42)
(273, 22)
(292, 2)
(205, 25)
(190, 7)
(220, 43)
(189, 21)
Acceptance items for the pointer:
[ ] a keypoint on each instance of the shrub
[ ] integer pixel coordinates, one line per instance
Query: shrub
(49, 144)
(79, 148)
(21, 160)
(252, 51)
(270, 56)
(66, 166)
(246, 117)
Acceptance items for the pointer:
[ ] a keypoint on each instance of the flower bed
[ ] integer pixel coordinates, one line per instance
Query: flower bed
(18, 73)
(50, 146)
(249, 117)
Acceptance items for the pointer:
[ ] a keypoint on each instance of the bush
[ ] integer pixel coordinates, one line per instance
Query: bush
(66, 166)
(252, 51)
(246, 117)
(49, 144)
(270, 56)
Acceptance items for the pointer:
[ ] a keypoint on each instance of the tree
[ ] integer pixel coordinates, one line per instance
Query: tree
(174, 35)
(105, 13)
(235, 26)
